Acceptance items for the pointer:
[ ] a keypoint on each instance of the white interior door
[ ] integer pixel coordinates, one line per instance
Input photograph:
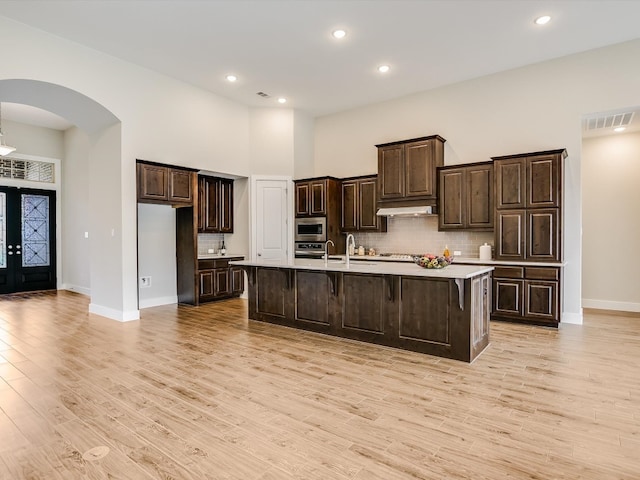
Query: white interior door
(271, 210)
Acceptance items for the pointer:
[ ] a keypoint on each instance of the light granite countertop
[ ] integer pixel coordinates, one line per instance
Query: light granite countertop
(375, 267)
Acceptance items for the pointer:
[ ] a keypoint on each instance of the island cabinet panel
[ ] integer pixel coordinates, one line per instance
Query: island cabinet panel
(364, 311)
(313, 297)
(424, 312)
(480, 312)
(273, 287)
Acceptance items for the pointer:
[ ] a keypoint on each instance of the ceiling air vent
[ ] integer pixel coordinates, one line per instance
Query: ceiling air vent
(263, 95)
(608, 121)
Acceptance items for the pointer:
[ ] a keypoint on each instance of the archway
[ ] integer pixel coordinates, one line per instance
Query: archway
(110, 283)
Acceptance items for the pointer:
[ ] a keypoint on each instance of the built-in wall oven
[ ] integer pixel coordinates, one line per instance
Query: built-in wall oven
(310, 235)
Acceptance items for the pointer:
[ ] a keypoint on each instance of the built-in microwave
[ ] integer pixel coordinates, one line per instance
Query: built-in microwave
(311, 229)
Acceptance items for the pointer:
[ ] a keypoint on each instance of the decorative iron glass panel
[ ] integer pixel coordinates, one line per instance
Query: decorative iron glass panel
(3, 230)
(35, 230)
(31, 170)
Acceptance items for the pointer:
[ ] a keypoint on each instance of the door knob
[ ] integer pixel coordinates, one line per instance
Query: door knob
(259, 254)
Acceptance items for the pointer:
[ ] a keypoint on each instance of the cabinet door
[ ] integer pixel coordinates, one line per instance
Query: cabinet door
(451, 199)
(349, 222)
(302, 199)
(221, 283)
(543, 234)
(391, 172)
(225, 206)
(479, 197)
(510, 183)
(211, 204)
(542, 301)
(510, 231)
(367, 206)
(420, 169)
(205, 282)
(543, 180)
(317, 195)
(237, 280)
(180, 186)
(508, 297)
(153, 182)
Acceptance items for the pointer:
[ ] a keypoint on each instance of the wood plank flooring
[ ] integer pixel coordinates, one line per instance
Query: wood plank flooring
(203, 393)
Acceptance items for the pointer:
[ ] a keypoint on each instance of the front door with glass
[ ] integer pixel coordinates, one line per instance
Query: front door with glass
(27, 239)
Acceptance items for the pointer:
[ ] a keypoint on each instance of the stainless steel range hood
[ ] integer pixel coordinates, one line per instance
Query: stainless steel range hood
(418, 210)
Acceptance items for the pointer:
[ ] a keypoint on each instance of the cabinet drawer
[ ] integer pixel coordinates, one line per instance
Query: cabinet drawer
(508, 272)
(539, 273)
(210, 264)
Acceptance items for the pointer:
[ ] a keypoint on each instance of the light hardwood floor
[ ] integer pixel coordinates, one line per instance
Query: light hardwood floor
(203, 393)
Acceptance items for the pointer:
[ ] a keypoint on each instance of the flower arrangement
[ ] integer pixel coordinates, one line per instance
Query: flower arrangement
(429, 260)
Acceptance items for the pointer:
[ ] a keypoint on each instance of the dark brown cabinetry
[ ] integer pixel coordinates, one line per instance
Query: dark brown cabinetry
(443, 317)
(527, 294)
(407, 171)
(465, 197)
(217, 280)
(528, 198)
(215, 206)
(165, 184)
(359, 205)
(316, 196)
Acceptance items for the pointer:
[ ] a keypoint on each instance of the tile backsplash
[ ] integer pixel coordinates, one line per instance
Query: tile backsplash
(208, 241)
(421, 235)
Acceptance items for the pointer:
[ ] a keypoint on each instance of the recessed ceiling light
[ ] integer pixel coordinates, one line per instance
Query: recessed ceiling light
(282, 100)
(384, 68)
(543, 20)
(619, 129)
(339, 34)
(231, 78)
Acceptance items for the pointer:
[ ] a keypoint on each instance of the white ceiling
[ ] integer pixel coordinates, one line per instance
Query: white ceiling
(285, 48)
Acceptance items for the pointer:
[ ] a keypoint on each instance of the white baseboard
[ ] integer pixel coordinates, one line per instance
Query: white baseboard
(608, 305)
(158, 301)
(574, 318)
(76, 288)
(113, 314)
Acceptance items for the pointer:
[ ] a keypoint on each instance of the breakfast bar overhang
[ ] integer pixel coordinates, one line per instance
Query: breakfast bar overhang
(441, 312)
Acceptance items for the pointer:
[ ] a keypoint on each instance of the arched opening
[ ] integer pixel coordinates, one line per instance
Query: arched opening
(100, 203)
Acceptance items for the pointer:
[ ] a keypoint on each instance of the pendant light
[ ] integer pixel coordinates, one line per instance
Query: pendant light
(4, 149)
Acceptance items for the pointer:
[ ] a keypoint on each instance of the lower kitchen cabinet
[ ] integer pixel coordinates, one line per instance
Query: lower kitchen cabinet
(218, 280)
(527, 294)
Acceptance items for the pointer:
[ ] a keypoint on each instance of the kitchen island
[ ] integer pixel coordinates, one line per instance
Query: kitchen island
(439, 312)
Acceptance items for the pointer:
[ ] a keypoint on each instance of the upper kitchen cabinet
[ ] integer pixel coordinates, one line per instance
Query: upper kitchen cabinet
(407, 171)
(316, 196)
(165, 184)
(215, 206)
(465, 197)
(359, 205)
(529, 180)
(528, 196)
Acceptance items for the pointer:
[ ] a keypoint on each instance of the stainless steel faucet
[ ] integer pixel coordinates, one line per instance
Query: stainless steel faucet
(350, 238)
(326, 251)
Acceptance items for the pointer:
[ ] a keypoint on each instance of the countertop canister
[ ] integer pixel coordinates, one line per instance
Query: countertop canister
(485, 252)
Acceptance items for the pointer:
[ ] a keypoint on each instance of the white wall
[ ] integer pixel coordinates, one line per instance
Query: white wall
(162, 120)
(611, 226)
(32, 140)
(303, 136)
(76, 212)
(534, 108)
(157, 254)
(271, 134)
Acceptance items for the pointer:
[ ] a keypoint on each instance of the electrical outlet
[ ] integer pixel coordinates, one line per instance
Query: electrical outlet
(457, 253)
(145, 282)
